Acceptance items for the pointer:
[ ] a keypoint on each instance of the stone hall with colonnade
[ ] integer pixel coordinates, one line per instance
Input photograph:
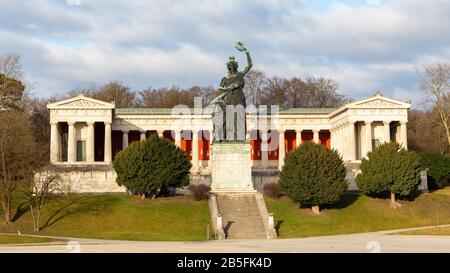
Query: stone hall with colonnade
(86, 135)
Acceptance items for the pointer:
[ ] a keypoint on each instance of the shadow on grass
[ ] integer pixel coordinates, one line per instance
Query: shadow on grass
(57, 216)
(81, 206)
(346, 200)
(411, 197)
(21, 210)
(278, 226)
(386, 195)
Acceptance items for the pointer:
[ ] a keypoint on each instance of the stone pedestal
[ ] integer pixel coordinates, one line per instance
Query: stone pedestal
(231, 169)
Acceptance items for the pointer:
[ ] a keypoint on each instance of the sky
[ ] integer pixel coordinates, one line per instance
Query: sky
(365, 45)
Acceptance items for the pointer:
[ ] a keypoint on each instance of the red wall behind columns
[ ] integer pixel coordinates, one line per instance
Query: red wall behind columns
(168, 135)
(324, 138)
(186, 143)
(307, 136)
(203, 146)
(289, 141)
(273, 140)
(255, 142)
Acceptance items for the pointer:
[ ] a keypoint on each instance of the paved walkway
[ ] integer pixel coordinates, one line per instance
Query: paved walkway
(364, 242)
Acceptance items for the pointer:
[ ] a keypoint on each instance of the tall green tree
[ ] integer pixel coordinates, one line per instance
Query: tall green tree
(389, 167)
(438, 166)
(313, 175)
(149, 167)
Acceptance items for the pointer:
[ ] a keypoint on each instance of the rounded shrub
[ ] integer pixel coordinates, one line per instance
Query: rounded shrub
(389, 167)
(313, 175)
(438, 166)
(200, 192)
(272, 190)
(149, 167)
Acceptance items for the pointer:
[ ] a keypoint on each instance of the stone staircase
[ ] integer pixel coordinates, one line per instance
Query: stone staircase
(241, 218)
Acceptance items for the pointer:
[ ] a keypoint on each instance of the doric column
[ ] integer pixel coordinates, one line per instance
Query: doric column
(338, 140)
(298, 137)
(332, 145)
(358, 137)
(90, 142)
(397, 134)
(386, 131)
(367, 137)
(54, 143)
(178, 138)
(316, 136)
(195, 150)
(403, 135)
(351, 142)
(124, 139)
(108, 148)
(281, 149)
(161, 133)
(143, 135)
(71, 148)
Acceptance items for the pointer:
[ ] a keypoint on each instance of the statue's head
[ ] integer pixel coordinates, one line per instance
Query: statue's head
(232, 65)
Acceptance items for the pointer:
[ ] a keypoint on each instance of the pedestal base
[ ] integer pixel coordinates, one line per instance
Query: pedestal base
(231, 169)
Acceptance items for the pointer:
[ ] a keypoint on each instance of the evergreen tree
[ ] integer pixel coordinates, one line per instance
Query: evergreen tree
(438, 166)
(149, 167)
(389, 167)
(313, 175)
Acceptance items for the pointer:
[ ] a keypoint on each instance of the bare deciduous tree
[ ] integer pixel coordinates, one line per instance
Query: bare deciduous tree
(36, 194)
(295, 92)
(275, 92)
(255, 83)
(36, 109)
(18, 155)
(298, 93)
(170, 97)
(115, 91)
(435, 84)
(324, 93)
(425, 132)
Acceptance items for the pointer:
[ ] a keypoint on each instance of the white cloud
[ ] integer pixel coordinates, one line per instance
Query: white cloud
(185, 42)
(73, 2)
(373, 2)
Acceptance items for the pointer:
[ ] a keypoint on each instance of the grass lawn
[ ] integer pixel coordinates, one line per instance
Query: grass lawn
(119, 217)
(428, 231)
(16, 239)
(123, 217)
(359, 213)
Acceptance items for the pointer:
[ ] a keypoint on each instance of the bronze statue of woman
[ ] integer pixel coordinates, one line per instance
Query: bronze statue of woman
(232, 93)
